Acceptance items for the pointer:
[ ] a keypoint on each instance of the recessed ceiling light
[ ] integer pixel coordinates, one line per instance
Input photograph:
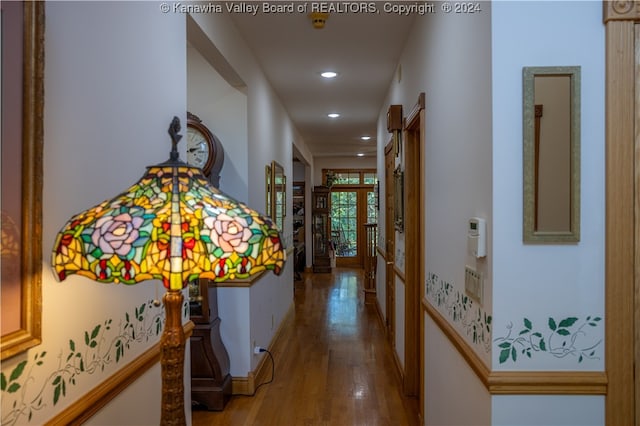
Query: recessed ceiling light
(333, 115)
(360, 154)
(329, 74)
(365, 138)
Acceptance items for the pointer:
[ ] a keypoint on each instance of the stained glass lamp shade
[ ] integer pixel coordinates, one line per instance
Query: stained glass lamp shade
(171, 225)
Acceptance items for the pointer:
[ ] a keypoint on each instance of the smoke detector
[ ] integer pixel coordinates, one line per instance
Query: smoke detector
(318, 19)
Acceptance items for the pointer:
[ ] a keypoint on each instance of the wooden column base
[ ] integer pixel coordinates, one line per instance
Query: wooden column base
(172, 345)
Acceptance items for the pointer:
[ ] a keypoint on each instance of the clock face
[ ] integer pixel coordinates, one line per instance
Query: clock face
(198, 149)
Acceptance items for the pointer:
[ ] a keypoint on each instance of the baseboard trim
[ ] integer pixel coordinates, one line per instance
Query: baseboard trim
(548, 383)
(520, 382)
(88, 405)
(243, 385)
(380, 316)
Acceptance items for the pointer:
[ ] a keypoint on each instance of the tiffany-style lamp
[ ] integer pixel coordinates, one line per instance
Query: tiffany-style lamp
(171, 225)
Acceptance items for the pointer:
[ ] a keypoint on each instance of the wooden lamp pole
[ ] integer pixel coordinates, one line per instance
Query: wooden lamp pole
(172, 345)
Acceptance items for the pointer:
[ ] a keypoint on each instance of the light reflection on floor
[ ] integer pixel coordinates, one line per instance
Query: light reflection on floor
(343, 305)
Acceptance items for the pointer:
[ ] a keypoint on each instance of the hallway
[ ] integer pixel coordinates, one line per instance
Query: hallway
(335, 367)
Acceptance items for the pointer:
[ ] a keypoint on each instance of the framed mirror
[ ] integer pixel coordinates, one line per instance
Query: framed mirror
(279, 194)
(22, 138)
(268, 190)
(551, 154)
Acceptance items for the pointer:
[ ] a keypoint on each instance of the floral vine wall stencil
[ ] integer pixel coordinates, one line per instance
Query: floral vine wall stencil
(27, 389)
(460, 309)
(567, 337)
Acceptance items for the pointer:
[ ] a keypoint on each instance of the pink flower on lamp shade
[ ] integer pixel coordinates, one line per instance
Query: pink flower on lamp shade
(115, 235)
(231, 234)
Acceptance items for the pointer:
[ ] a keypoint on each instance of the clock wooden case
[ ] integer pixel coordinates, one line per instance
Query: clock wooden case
(204, 149)
(210, 377)
(210, 364)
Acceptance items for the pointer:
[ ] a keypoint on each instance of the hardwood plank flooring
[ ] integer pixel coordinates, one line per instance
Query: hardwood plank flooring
(335, 369)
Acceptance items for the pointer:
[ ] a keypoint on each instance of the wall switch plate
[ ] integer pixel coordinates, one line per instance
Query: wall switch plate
(473, 283)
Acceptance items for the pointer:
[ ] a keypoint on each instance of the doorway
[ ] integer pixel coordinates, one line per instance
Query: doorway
(350, 210)
(352, 206)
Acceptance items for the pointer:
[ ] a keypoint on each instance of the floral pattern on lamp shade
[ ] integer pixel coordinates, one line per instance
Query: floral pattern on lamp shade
(171, 222)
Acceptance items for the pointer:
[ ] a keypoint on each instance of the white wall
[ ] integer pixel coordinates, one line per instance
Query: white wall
(445, 372)
(108, 105)
(125, 410)
(542, 281)
(549, 410)
(539, 282)
(223, 109)
(448, 57)
(270, 136)
(298, 171)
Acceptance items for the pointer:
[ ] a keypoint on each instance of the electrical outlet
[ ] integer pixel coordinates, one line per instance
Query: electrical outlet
(473, 283)
(257, 350)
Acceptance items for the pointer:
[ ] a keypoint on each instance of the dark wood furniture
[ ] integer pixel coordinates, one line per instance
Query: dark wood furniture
(321, 229)
(210, 378)
(298, 229)
(298, 212)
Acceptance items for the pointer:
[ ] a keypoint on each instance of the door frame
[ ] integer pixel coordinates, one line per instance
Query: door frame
(414, 138)
(361, 218)
(622, 222)
(390, 244)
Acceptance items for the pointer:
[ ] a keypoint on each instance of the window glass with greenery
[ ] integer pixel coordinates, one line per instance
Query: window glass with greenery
(372, 209)
(353, 204)
(349, 177)
(370, 178)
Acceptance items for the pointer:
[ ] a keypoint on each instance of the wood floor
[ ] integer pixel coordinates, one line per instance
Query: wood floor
(335, 369)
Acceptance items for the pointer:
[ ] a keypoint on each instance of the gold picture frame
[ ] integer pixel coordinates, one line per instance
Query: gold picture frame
(268, 185)
(22, 204)
(278, 194)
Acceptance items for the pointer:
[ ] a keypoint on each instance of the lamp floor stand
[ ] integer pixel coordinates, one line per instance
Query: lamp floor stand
(172, 345)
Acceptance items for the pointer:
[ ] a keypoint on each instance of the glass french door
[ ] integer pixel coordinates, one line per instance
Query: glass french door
(350, 210)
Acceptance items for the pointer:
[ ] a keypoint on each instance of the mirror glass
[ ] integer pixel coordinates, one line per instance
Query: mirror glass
(278, 204)
(551, 128)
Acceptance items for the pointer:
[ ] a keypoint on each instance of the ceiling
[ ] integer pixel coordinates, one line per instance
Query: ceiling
(363, 48)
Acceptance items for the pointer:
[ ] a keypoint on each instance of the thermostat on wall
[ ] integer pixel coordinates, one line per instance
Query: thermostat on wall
(477, 237)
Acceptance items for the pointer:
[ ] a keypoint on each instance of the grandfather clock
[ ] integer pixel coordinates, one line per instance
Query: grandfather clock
(210, 378)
